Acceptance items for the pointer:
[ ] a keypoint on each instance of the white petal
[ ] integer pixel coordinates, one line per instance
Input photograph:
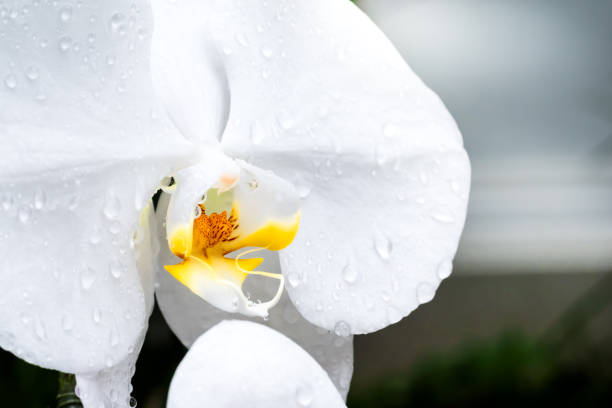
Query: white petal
(110, 387)
(82, 153)
(189, 316)
(321, 97)
(242, 364)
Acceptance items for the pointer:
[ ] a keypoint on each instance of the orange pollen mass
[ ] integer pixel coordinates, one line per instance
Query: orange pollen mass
(209, 230)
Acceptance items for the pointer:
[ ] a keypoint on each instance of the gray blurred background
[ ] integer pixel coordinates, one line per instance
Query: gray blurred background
(530, 86)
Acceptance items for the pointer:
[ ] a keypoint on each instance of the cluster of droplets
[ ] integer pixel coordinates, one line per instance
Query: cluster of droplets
(32, 31)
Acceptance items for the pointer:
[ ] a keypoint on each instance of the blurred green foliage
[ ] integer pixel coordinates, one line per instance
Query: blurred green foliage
(512, 371)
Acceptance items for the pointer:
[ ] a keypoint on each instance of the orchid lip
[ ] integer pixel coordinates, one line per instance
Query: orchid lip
(215, 232)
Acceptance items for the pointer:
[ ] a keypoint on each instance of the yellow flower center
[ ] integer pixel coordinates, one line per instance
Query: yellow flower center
(206, 268)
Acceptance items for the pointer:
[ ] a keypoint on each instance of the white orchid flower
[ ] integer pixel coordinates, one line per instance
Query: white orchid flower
(299, 119)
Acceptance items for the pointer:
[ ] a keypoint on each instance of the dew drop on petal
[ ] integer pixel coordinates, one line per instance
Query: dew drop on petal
(267, 52)
(88, 277)
(24, 214)
(40, 199)
(258, 133)
(393, 315)
(425, 292)
(10, 81)
(67, 323)
(390, 130)
(96, 315)
(294, 279)
(65, 43)
(116, 269)
(303, 190)
(349, 273)
(342, 329)
(117, 24)
(113, 338)
(39, 329)
(25, 318)
(382, 245)
(304, 395)
(442, 217)
(242, 39)
(444, 269)
(65, 14)
(32, 73)
(112, 207)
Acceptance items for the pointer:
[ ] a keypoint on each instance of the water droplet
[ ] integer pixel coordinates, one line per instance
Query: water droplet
(7, 202)
(25, 318)
(241, 39)
(116, 269)
(384, 153)
(133, 402)
(110, 60)
(39, 329)
(67, 322)
(113, 338)
(65, 14)
(294, 279)
(286, 123)
(114, 227)
(95, 315)
(141, 33)
(40, 199)
(88, 277)
(390, 130)
(304, 395)
(383, 245)
(95, 236)
(393, 315)
(267, 52)
(442, 217)
(118, 24)
(425, 292)
(303, 190)
(73, 202)
(24, 214)
(64, 43)
(342, 329)
(423, 177)
(258, 133)
(112, 206)
(32, 73)
(10, 81)
(349, 273)
(444, 269)
(455, 187)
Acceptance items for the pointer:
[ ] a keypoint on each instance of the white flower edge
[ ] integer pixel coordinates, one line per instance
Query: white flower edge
(238, 364)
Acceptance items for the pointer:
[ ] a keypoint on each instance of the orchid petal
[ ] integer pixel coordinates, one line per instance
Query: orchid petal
(318, 95)
(83, 151)
(239, 364)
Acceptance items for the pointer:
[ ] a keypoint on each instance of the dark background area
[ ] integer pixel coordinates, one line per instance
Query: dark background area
(511, 341)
